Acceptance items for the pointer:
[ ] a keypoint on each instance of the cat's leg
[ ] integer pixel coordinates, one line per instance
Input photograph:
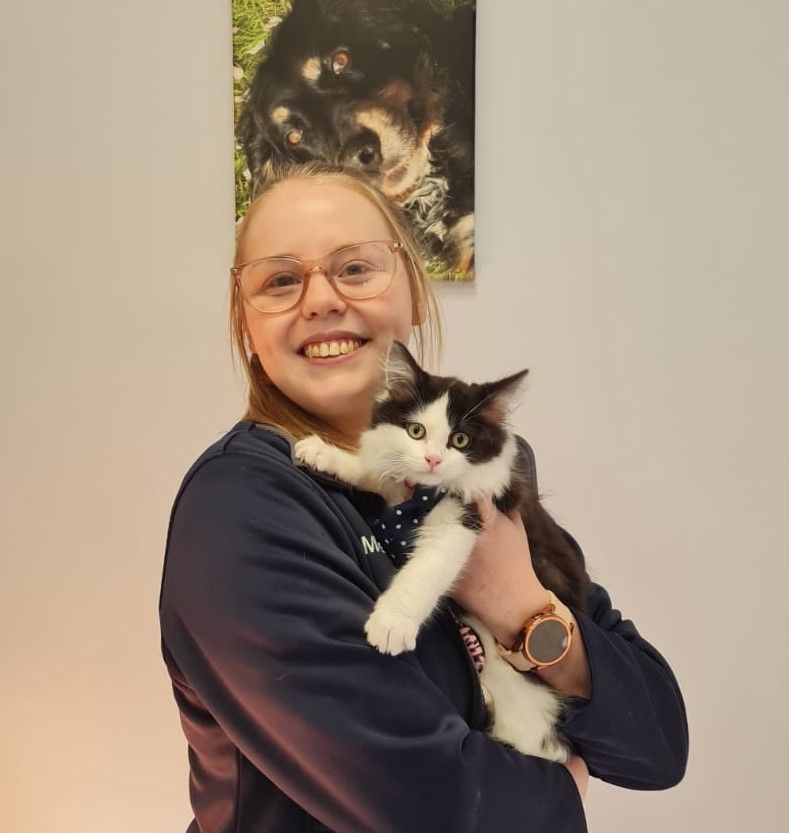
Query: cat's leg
(347, 466)
(525, 711)
(330, 459)
(441, 550)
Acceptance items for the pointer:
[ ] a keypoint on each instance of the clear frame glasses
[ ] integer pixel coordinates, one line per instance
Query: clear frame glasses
(356, 272)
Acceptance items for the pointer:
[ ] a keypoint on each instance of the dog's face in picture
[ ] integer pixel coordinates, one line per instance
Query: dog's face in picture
(351, 82)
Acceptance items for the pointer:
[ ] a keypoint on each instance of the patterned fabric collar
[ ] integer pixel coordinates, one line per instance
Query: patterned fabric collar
(396, 526)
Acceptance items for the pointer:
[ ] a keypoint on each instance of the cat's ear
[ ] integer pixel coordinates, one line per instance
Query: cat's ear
(500, 395)
(400, 371)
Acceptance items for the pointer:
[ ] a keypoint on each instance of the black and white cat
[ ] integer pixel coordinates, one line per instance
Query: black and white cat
(439, 431)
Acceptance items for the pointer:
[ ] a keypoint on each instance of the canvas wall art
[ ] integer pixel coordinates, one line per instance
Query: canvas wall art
(383, 86)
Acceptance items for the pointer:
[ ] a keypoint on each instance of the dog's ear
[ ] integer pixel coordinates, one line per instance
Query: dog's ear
(260, 150)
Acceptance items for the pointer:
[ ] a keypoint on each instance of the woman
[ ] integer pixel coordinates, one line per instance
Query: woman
(294, 722)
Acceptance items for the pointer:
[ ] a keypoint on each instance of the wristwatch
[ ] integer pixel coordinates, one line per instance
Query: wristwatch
(544, 640)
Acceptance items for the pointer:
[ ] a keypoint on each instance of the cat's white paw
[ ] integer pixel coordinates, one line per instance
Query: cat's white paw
(315, 452)
(389, 630)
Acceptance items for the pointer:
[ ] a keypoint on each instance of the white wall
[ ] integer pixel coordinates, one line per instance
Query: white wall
(632, 205)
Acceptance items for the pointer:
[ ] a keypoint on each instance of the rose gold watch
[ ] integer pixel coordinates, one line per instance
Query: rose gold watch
(544, 640)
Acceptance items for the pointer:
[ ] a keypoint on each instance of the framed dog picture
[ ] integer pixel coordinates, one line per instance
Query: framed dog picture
(383, 86)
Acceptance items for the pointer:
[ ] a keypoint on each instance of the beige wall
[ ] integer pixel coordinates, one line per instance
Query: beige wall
(632, 207)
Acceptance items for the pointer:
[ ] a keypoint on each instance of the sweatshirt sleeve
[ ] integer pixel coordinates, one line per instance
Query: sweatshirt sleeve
(633, 732)
(263, 610)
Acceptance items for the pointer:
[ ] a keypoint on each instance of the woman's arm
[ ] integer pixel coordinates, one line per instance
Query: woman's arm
(263, 614)
(626, 716)
(500, 586)
(633, 731)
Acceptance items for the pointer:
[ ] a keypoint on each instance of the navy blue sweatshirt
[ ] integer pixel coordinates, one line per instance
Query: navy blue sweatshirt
(295, 724)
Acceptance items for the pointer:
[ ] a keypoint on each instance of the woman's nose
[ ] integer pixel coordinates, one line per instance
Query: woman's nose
(320, 297)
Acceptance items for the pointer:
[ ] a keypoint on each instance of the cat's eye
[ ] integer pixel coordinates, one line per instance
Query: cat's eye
(415, 430)
(460, 440)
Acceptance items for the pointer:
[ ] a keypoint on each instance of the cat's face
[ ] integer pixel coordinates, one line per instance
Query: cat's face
(434, 430)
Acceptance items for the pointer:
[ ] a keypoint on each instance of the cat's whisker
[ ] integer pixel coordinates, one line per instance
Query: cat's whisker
(477, 406)
(392, 467)
(417, 396)
(393, 472)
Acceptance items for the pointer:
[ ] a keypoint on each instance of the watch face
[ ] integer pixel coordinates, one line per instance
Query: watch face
(547, 641)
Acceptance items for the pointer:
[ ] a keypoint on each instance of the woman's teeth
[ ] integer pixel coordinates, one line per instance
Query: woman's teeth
(320, 350)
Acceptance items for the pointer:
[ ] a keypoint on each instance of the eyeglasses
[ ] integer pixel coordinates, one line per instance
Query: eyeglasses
(356, 272)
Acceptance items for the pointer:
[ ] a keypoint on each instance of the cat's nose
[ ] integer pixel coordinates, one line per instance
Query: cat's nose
(433, 460)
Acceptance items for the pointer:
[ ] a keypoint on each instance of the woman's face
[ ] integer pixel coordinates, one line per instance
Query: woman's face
(308, 220)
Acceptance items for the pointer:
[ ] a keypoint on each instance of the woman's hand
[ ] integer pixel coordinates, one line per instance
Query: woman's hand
(580, 772)
(500, 587)
(499, 584)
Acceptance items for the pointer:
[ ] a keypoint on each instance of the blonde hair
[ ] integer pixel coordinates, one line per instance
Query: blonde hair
(266, 403)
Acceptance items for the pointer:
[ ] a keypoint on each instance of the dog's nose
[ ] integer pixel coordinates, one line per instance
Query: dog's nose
(362, 152)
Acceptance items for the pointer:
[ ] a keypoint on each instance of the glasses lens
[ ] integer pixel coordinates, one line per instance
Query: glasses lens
(272, 284)
(364, 270)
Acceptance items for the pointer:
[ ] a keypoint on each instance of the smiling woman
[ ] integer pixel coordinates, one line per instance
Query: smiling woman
(320, 244)
(296, 721)
(305, 219)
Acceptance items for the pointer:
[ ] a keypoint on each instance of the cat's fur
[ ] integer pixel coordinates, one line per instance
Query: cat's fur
(390, 461)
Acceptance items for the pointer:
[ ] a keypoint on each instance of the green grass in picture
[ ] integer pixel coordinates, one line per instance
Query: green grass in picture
(253, 20)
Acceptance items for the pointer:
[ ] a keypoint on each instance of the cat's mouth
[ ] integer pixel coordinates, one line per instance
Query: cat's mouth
(427, 478)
